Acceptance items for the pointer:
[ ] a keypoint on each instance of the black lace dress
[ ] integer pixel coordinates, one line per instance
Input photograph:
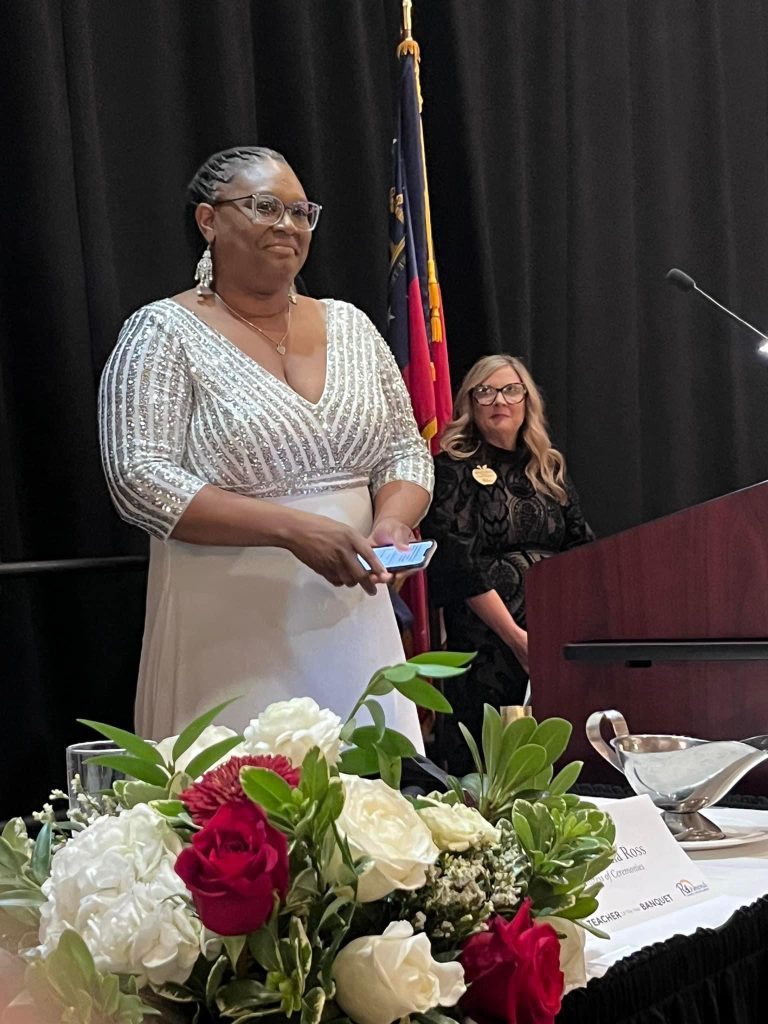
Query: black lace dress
(488, 536)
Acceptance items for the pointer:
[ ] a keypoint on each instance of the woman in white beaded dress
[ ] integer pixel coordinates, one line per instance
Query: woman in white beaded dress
(264, 440)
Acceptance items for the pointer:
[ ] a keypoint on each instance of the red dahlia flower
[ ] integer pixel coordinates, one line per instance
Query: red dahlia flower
(221, 785)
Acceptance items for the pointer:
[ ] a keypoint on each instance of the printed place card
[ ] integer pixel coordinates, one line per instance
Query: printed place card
(651, 874)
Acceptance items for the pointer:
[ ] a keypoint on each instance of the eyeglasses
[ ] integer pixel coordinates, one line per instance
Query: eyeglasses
(264, 208)
(513, 394)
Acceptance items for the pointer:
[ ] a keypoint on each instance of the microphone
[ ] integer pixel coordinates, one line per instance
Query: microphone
(686, 283)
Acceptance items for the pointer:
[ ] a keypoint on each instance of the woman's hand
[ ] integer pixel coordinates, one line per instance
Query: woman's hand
(331, 549)
(391, 531)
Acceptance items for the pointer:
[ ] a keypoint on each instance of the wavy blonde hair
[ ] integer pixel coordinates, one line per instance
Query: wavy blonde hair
(461, 437)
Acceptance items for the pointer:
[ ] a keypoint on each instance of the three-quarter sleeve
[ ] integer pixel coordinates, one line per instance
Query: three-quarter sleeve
(404, 455)
(577, 529)
(145, 401)
(454, 573)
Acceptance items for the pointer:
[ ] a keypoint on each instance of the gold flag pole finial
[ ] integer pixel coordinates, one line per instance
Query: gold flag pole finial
(408, 44)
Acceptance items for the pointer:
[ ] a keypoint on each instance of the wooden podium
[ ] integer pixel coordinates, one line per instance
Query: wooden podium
(667, 622)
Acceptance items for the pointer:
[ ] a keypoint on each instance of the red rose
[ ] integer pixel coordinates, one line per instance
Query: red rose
(513, 972)
(222, 785)
(233, 868)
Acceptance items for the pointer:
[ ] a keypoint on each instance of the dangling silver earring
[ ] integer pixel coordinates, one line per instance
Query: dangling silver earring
(292, 294)
(204, 273)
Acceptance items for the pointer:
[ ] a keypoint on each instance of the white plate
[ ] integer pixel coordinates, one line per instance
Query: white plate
(734, 836)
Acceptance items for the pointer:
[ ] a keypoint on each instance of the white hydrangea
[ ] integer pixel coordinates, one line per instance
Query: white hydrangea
(114, 884)
(292, 728)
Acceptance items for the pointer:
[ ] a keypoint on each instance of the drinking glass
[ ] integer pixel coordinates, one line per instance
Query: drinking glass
(93, 777)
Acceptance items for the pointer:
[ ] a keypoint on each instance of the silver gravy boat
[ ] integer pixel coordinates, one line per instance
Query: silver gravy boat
(682, 775)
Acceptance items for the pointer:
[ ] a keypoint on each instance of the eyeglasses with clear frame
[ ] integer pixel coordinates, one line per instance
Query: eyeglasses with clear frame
(264, 208)
(513, 394)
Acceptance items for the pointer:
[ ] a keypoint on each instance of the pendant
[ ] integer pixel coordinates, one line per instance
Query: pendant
(281, 349)
(484, 475)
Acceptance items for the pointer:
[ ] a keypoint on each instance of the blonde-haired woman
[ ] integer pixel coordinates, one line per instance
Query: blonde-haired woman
(502, 502)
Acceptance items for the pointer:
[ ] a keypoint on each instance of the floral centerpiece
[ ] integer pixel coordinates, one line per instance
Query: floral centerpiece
(282, 875)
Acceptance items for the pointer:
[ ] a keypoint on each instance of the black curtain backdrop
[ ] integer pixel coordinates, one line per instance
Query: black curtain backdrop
(577, 149)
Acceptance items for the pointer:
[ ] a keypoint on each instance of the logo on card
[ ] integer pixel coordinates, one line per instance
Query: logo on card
(687, 888)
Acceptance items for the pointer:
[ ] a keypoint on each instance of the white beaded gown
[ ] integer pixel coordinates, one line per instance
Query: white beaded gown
(181, 406)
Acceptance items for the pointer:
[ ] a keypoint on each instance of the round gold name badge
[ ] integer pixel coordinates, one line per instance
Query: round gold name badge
(484, 475)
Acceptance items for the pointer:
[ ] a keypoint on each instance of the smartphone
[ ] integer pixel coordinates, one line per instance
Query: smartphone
(416, 557)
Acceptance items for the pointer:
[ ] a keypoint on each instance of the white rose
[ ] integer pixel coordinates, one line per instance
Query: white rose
(114, 883)
(210, 735)
(381, 978)
(573, 962)
(381, 824)
(457, 827)
(292, 728)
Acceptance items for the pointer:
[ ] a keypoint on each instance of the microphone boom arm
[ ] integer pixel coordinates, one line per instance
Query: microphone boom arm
(686, 283)
(728, 311)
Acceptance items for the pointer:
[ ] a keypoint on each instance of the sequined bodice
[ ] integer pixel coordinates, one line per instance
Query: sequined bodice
(182, 406)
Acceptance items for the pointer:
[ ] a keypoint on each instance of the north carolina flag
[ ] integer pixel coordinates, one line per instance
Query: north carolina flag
(416, 331)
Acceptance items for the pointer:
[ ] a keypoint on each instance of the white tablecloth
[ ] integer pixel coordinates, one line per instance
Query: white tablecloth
(737, 874)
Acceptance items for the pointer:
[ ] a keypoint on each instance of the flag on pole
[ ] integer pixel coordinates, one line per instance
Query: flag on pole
(416, 329)
(416, 332)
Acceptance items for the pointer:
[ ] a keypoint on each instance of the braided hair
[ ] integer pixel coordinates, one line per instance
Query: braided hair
(222, 167)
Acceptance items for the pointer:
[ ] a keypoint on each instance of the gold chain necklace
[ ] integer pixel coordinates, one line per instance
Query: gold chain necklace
(279, 345)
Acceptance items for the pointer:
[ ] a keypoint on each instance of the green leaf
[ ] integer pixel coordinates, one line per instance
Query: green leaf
(399, 673)
(133, 766)
(492, 733)
(565, 778)
(379, 687)
(455, 658)
(583, 907)
(195, 729)
(347, 730)
(440, 671)
(214, 980)
(264, 949)
(523, 830)
(469, 739)
(11, 859)
(332, 909)
(244, 994)
(359, 761)
(169, 808)
(525, 762)
(15, 835)
(208, 757)
(127, 740)
(424, 695)
(40, 864)
(392, 743)
(516, 734)
(132, 793)
(377, 716)
(266, 788)
(313, 782)
(395, 744)
(553, 734)
(473, 784)
(390, 768)
(312, 1006)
